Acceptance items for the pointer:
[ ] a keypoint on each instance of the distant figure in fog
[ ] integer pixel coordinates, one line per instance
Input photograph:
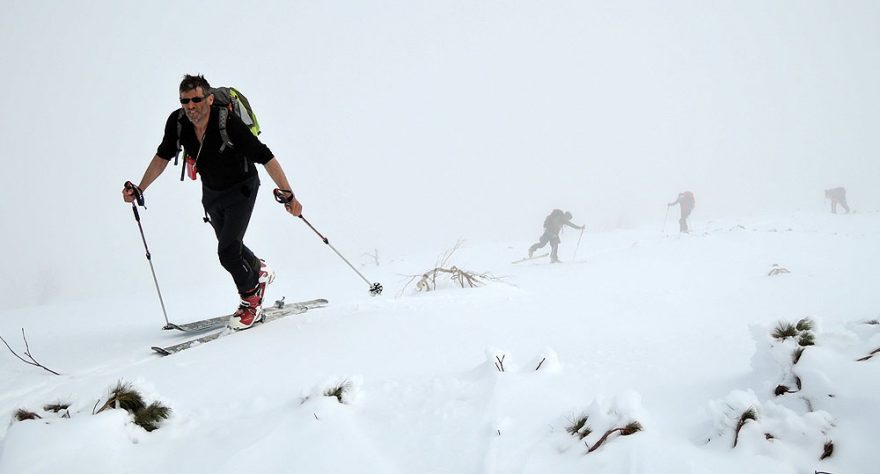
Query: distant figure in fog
(837, 196)
(686, 202)
(552, 225)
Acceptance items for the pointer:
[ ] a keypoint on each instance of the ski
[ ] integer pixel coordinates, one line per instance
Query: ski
(530, 258)
(220, 321)
(269, 315)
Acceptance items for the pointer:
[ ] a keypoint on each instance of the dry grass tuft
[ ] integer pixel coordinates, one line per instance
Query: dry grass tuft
(579, 428)
(21, 414)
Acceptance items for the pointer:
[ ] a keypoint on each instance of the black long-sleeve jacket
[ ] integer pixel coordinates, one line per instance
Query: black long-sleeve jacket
(219, 169)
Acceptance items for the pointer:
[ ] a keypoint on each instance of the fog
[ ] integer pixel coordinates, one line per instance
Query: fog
(406, 125)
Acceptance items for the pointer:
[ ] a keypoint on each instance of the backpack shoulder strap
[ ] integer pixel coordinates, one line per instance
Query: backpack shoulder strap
(223, 118)
(179, 129)
(180, 115)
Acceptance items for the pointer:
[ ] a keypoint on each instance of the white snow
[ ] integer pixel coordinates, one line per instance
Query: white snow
(672, 331)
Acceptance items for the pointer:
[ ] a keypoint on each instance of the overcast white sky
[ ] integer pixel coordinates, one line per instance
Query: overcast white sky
(407, 124)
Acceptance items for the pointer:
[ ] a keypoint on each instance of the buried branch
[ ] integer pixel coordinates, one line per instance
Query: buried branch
(631, 428)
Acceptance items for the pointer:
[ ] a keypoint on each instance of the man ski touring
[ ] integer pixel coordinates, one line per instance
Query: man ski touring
(552, 225)
(837, 196)
(686, 201)
(225, 160)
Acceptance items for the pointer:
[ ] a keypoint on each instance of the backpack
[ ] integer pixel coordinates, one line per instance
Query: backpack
(553, 215)
(229, 99)
(234, 101)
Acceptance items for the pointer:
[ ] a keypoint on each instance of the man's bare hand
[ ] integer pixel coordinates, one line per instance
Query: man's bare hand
(127, 195)
(130, 192)
(294, 207)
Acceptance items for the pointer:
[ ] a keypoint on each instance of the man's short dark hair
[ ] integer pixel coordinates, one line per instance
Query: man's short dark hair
(190, 83)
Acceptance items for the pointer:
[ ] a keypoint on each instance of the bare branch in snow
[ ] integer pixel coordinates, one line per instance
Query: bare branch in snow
(27, 352)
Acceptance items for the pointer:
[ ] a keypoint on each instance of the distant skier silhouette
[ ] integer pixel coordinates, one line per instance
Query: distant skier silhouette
(552, 225)
(686, 201)
(837, 196)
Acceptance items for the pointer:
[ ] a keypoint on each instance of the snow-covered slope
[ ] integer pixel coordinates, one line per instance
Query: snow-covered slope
(670, 331)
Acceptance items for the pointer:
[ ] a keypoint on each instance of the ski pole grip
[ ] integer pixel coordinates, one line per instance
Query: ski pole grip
(138, 193)
(283, 196)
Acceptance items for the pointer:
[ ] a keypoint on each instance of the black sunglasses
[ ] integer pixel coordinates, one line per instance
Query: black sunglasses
(195, 100)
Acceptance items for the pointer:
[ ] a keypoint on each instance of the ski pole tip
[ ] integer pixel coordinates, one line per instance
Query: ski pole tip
(376, 289)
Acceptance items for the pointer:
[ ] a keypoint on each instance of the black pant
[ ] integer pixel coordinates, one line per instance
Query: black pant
(230, 212)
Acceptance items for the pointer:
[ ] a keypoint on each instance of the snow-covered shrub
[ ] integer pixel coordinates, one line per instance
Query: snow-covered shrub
(443, 272)
(578, 427)
(123, 397)
(344, 389)
(604, 420)
(21, 415)
(743, 422)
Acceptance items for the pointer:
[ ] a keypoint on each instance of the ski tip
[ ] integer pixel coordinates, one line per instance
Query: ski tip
(161, 350)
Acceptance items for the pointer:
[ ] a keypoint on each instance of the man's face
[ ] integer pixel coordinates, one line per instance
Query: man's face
(196, 112)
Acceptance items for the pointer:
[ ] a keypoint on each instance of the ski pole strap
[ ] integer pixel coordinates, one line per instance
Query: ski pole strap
(138, 193)
(283, 196)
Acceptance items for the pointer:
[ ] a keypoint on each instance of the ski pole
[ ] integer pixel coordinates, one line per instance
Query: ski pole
(139, 199)
(375, 288)
(283, 197)
(578, 244)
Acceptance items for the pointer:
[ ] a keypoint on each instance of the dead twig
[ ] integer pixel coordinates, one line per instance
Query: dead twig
(540, 363)
(27, 352)
(500, 363)
(373, 256)
(627, 430)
